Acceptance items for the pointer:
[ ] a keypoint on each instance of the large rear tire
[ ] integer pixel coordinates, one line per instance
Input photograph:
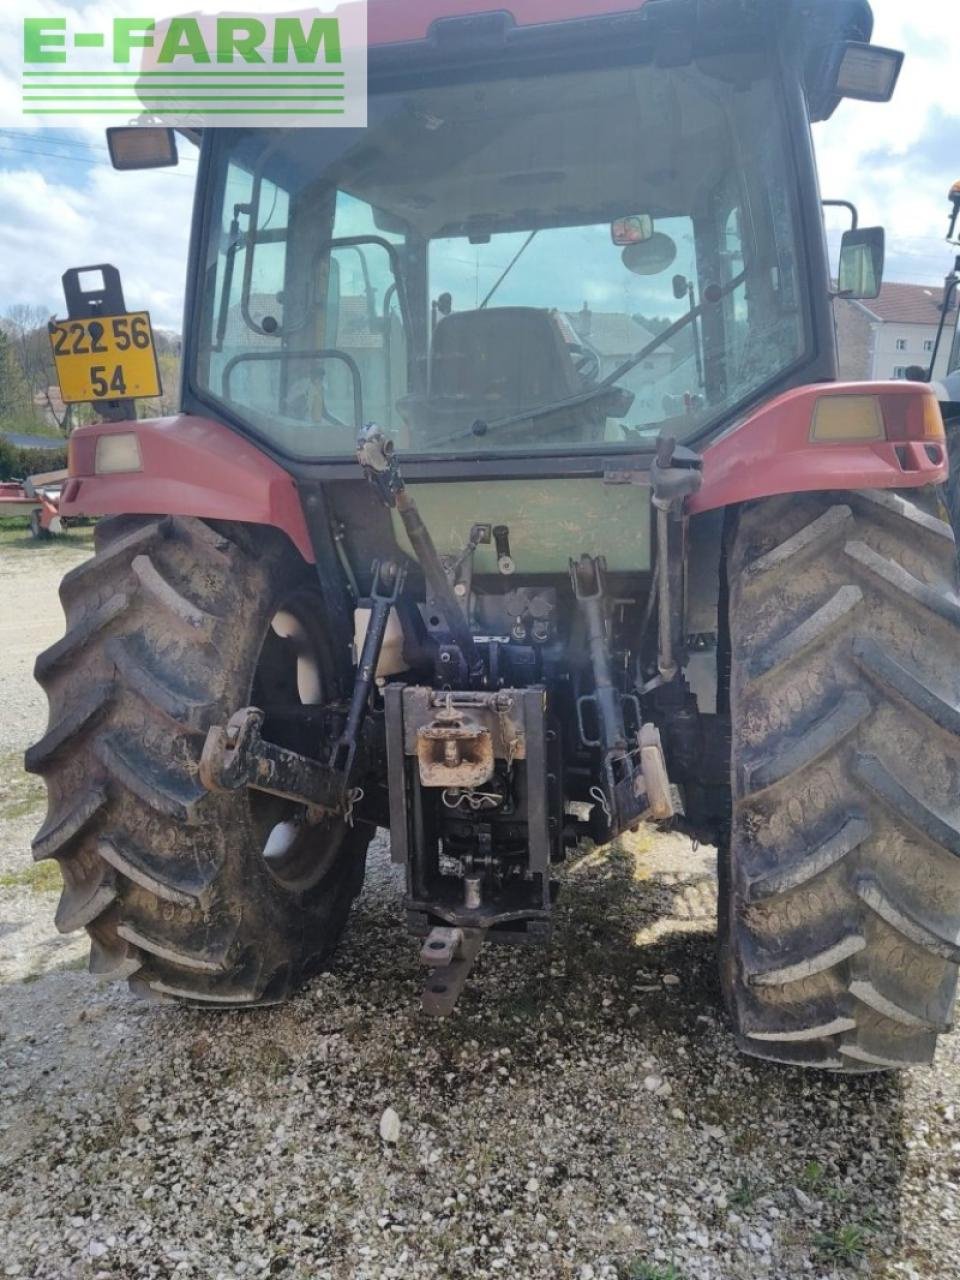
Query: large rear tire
(172, 627)
(953, 481)
(840, 892)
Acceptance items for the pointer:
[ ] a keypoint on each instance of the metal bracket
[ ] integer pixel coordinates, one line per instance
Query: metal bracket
(660, 792)
(106, 301)
(386, 589)
(450, 955)
(375, 453)
(455, 750)
(237, 756)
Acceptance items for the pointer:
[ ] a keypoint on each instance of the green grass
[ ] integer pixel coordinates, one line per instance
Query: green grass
(20, 793)
(15, 532)
(40, 877)
(20, 806)
(848, 1243)
(746, 1193)
(812, 1175)
(638, 1269)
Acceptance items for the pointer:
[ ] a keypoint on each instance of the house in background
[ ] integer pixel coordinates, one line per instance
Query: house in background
(48, 406)
(615, 337)
(881, 339)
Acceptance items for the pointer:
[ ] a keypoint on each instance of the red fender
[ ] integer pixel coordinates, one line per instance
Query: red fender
(771, 452)
(197, 467)
(190, 467)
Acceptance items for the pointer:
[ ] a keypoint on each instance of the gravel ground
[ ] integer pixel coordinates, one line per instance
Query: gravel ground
(583, 1115)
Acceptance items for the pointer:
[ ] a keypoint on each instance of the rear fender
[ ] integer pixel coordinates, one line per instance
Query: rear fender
(771, 452)
(190, 466)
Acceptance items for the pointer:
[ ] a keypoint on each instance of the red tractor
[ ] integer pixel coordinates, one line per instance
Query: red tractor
(948, 388)
(514, 502)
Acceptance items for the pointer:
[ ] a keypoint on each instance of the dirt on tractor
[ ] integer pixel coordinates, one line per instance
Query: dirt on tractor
(583, 1114)
(588, 540)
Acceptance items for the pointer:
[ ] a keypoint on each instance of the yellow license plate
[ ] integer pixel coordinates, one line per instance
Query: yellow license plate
(105, 358)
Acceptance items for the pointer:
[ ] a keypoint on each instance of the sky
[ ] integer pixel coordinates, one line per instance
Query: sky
(62, 205)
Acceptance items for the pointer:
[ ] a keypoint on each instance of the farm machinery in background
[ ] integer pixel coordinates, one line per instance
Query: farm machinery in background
(37, 498)
(514, 503)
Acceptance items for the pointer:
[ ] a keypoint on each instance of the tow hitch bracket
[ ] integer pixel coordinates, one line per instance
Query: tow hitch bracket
(237, 756)
(450, 955)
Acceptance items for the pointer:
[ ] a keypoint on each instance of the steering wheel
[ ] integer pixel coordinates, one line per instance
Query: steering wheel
(586, 363)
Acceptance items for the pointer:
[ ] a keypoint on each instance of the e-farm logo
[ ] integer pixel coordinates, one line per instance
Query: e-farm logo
(198, 70)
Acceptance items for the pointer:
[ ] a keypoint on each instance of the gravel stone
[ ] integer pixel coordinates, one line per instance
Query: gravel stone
(150, 1142)
(390, 1126)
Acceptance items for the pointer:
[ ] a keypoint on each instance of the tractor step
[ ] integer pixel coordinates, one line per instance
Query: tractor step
(450, 955)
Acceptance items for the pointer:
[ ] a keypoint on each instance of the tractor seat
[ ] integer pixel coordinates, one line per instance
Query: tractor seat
(490, 364)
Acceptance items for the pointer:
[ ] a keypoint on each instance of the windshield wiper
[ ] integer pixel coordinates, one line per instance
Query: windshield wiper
(713, 295)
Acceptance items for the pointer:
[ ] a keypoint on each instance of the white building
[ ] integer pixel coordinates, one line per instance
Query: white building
(615, 337)
(886, 336)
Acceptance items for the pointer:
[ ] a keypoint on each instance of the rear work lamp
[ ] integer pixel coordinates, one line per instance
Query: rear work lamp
(117, 454)
(847, 418)
(867, 72)
(899, 418)
(142, 147)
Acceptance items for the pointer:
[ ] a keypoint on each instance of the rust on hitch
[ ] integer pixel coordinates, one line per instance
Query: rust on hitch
(454, 750)
(236, 756)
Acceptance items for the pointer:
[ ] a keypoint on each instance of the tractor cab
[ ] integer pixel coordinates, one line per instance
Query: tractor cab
(565, 237)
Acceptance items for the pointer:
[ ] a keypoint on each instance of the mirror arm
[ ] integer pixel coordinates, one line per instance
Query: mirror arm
(844, 204)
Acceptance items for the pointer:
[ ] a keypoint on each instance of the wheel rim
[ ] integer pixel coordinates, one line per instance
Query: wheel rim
(298, 846)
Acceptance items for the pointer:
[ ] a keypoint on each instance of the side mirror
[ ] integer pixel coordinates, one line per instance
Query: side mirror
(635, 229)
(142, 147)
(862, 254)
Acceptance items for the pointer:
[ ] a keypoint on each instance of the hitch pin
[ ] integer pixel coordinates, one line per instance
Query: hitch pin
(597, 795)
(353, 799)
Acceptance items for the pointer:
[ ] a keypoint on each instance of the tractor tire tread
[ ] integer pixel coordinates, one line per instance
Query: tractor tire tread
(840, 892)
(163, 628)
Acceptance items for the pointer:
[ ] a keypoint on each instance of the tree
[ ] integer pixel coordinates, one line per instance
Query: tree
(26, 327)
(16, 402)
(169, 402)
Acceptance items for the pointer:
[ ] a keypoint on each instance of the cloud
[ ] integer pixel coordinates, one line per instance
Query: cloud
(897, 161)
(139, 222)
(61, 205)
